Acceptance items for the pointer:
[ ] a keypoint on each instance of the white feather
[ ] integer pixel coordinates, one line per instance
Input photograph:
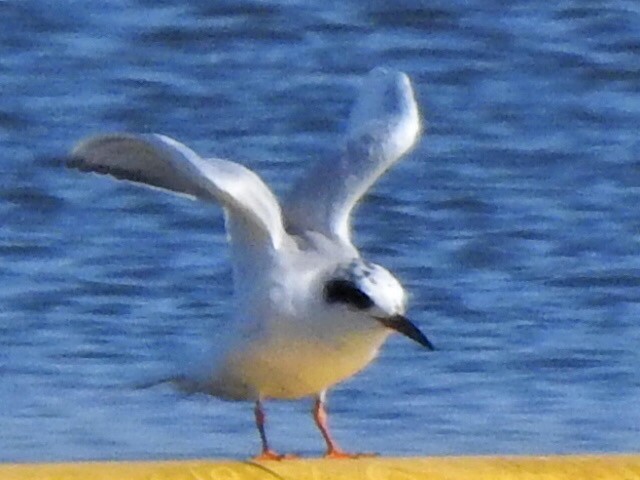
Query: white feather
(253, 217)
(287, 340)
(383, 126)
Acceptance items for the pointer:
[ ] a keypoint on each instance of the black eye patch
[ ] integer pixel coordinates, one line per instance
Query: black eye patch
(344, 291)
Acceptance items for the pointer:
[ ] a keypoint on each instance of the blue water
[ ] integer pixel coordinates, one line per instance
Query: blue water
(514, 224)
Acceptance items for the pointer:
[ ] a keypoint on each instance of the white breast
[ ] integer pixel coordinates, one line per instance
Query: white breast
(287, 367)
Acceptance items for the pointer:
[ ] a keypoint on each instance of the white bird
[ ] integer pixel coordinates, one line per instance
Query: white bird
(308, 310)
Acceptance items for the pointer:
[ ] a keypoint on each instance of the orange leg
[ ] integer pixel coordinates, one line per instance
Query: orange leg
(266, 453)
(333, 450)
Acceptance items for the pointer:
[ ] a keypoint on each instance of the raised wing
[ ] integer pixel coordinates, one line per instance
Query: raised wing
(254, 220)
(384, 125)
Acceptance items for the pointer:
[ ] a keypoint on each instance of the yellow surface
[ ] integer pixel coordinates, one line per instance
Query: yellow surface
(617, 467)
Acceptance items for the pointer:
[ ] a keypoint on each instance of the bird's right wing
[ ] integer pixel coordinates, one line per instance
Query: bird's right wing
(254, 220)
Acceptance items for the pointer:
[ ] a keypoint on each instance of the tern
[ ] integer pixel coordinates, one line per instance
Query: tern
(308, 311)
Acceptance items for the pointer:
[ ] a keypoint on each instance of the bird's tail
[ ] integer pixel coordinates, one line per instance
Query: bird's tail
(143, 385)
(180, 382)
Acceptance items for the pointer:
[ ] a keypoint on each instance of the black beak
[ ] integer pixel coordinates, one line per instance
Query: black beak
(404, 326)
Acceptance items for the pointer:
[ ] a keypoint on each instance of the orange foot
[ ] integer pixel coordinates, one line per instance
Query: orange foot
(339, 454)
(271, 455)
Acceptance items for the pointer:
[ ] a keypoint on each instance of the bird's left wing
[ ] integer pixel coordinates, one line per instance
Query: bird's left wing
(384, 125)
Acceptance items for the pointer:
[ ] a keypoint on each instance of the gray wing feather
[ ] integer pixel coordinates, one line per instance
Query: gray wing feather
(159, 161)
(383, 126)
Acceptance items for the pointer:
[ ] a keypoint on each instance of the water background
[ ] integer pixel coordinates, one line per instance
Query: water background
(515, 223)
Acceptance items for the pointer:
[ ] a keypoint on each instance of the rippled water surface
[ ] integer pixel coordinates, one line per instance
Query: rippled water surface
(514, 224)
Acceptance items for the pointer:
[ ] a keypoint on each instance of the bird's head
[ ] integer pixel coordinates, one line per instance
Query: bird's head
(373, 294)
